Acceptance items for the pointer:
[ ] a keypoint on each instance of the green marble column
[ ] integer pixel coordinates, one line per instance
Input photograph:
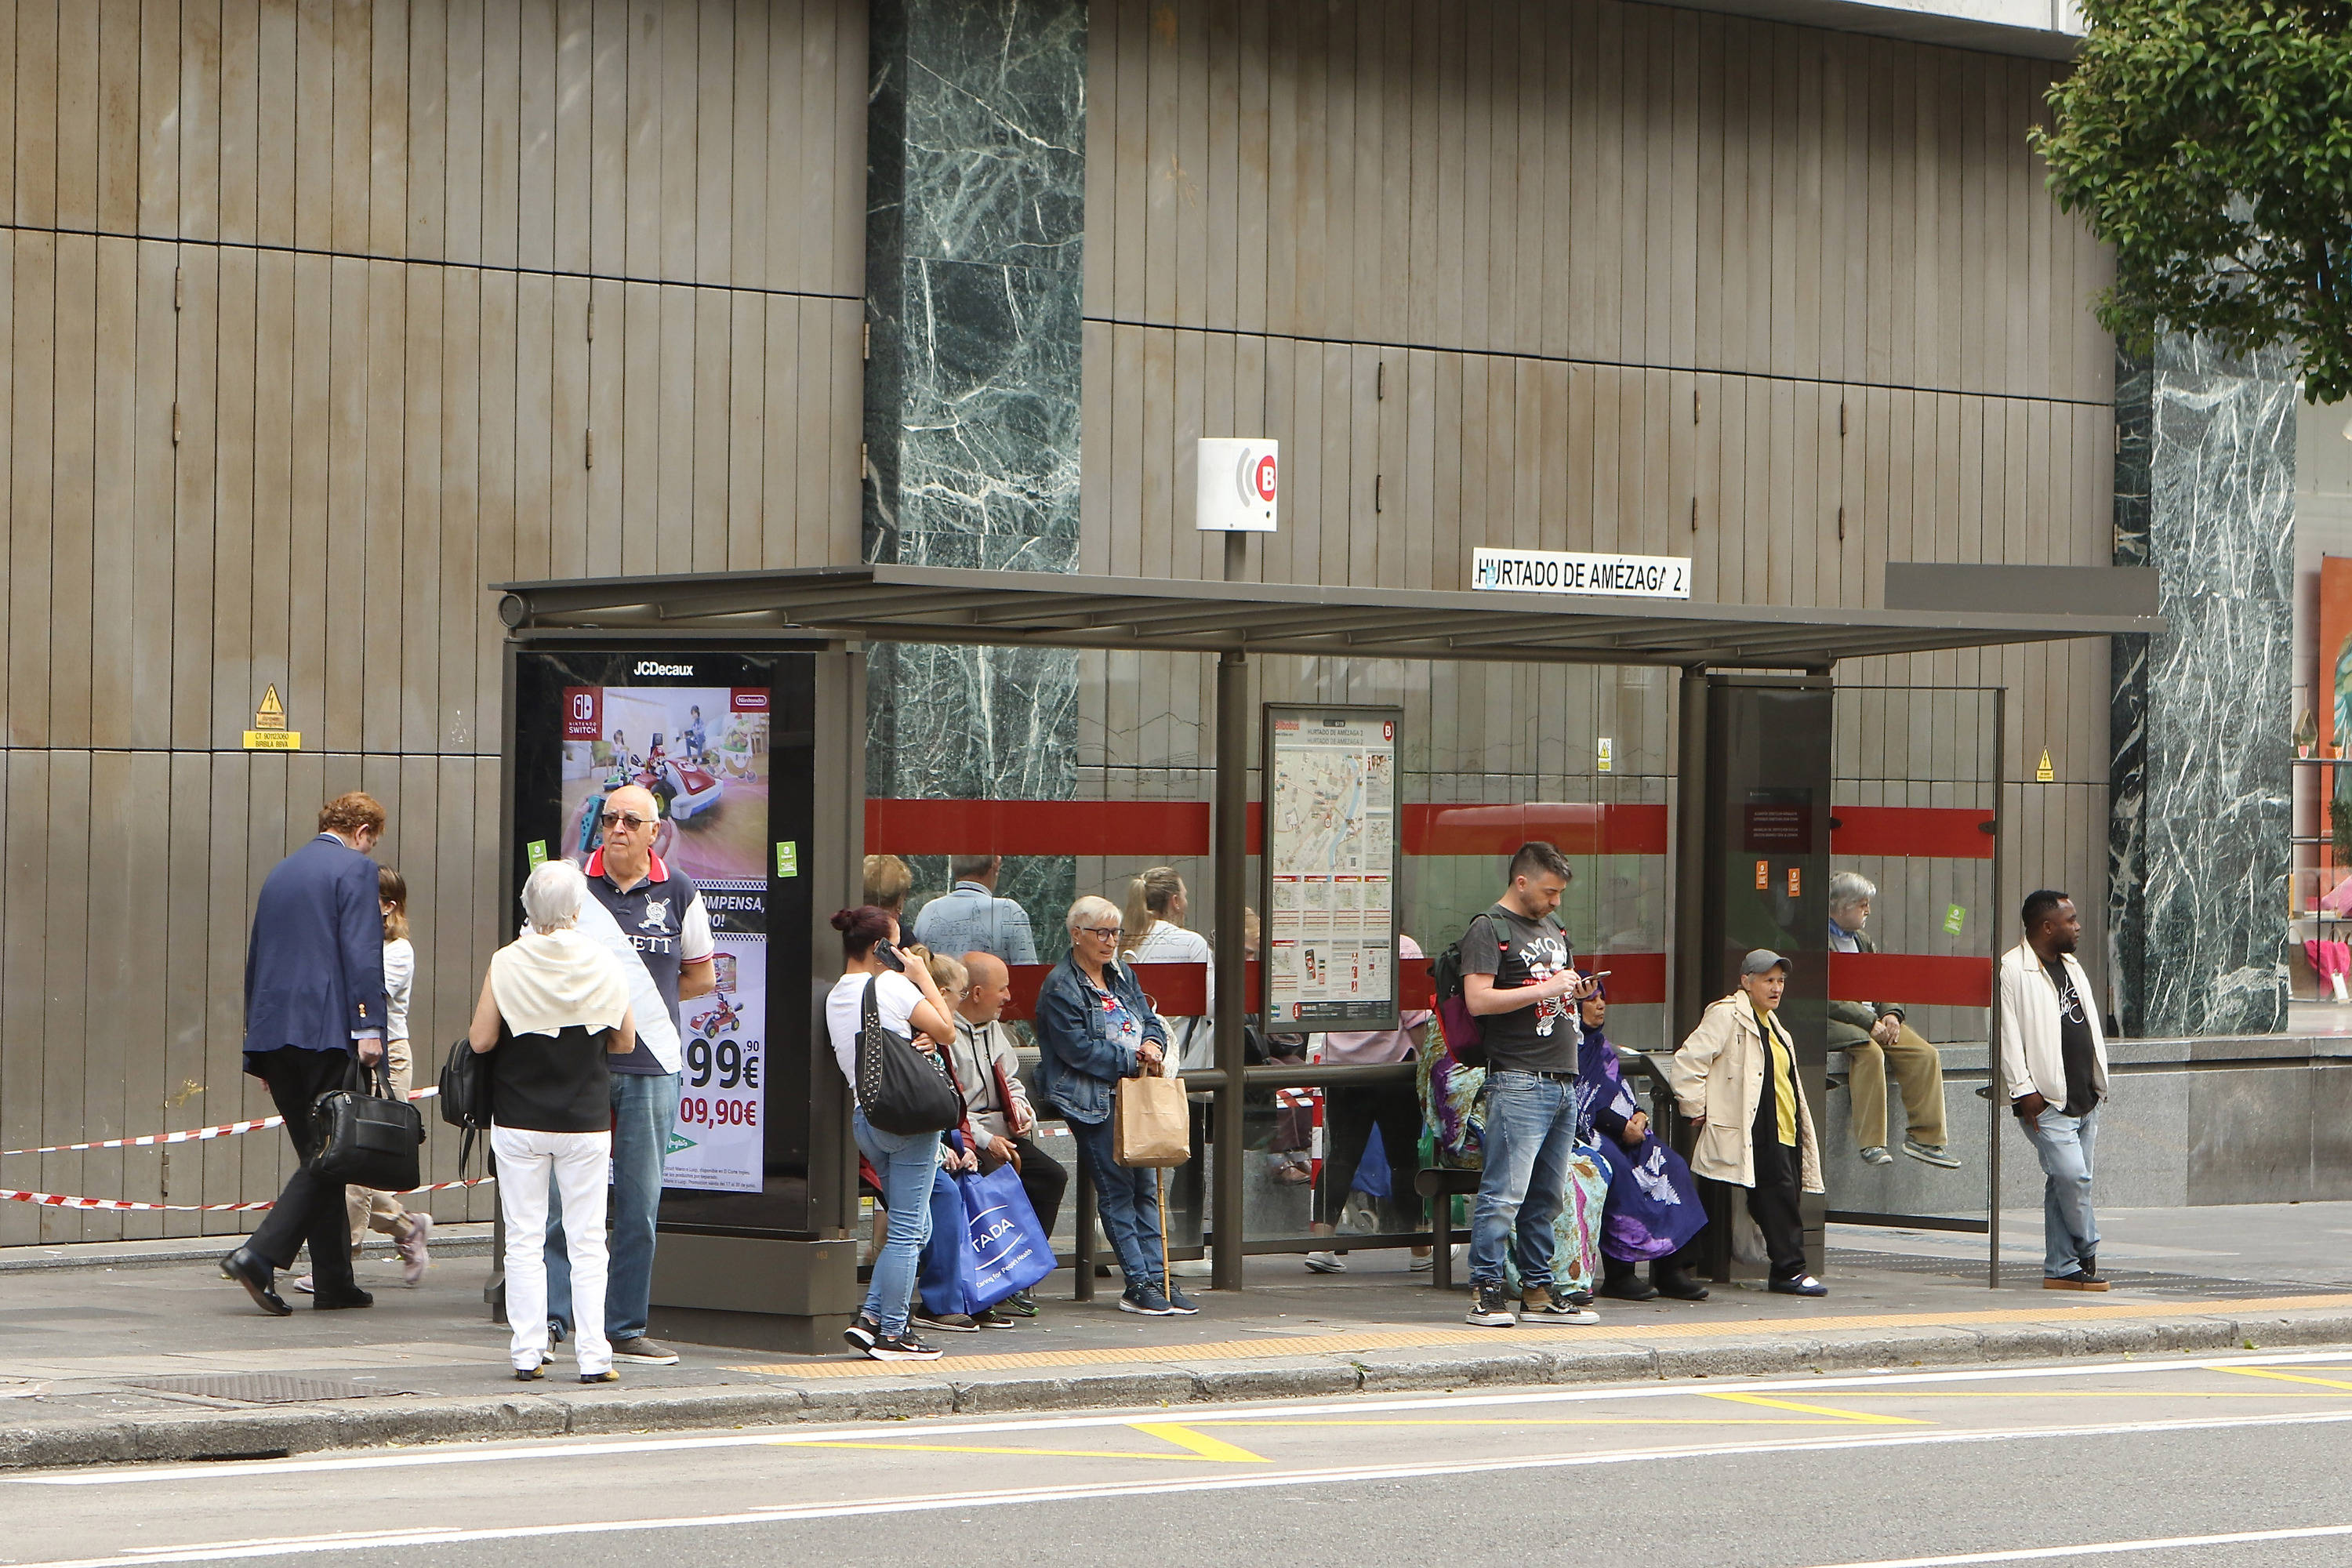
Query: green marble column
(975, 237)
(2198, 824)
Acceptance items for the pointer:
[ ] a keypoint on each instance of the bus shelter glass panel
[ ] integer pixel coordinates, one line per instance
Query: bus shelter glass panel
(725, 744)
(1913, 928)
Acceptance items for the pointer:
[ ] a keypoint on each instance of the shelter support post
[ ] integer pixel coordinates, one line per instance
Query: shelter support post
(1230, 851)
(1995, 928)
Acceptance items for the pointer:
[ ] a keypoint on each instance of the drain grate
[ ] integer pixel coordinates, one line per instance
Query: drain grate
(2020, 1271)
(263, 1388)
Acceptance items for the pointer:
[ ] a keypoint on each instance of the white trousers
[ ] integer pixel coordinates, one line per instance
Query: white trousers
(577, 1162)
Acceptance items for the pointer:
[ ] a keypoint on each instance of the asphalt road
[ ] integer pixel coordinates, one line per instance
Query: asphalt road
(2221, 1461)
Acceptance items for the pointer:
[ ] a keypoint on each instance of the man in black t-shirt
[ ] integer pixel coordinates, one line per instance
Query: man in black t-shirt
(2054, 1071)
(1518, 982)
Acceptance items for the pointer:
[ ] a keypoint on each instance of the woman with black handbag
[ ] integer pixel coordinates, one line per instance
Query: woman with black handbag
(885, 1006)
(555, 1006)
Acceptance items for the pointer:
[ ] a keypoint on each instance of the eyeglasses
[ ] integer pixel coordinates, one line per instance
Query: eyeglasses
(628, 819)
(1107, 933)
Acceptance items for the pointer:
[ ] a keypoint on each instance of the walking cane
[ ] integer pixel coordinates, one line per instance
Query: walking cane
(1160, 1180)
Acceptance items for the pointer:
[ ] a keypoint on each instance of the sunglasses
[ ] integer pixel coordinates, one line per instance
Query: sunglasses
(628, 819)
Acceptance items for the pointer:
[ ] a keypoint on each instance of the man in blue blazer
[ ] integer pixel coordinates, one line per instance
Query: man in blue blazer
(313, 996)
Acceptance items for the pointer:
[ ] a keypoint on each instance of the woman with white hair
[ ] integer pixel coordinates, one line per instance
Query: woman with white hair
(1093, 1027)
(555, 1006)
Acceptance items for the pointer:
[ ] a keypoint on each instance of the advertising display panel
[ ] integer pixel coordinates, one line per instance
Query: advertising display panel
(722, 742)
(1330, 865)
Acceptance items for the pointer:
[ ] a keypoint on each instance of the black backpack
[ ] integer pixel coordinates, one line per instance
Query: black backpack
(466, 1095)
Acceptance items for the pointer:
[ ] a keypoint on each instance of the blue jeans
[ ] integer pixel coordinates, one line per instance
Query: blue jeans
(2069, 1233)
(1128, 1199)
(906, 1161)
(1530, 1137)
(644, 1109)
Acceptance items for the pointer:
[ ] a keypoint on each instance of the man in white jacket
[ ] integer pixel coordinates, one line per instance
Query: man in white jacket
(2054, 1071)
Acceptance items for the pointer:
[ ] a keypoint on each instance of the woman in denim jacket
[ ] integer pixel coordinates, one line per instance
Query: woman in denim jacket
(1093, 1027)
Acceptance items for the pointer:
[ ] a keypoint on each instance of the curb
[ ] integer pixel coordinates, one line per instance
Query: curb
(278, 1433)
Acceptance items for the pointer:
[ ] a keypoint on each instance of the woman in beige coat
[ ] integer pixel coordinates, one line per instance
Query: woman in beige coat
(1743, 1094)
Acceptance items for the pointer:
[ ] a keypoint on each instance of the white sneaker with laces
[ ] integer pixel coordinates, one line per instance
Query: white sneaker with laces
(1326, 1263)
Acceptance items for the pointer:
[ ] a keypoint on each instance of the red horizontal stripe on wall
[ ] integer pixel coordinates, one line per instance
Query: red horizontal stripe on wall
(1934, 831)
(1139, 828)
(1150, 830)
(1576, 827)
(1911, 979)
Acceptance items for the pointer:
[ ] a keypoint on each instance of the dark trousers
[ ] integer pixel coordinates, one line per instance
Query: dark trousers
(1772, 1200)
(310, 1209)
(1044, 1179)
(1350, 1114)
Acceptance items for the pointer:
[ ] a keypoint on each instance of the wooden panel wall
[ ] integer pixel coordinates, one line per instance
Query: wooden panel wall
(1578, 273)
(316, 314)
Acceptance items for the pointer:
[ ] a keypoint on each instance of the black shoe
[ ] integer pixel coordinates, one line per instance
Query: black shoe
(1021, 1304)
(1489, 1308)
(1628, 1288)
(1677, 1283)
(944, 1323)
(254, 1272)
(2091, 1275)
(1145, 1301)
(340, 1300)
(1803, 1285)
(607, 1375)
(1180, 1305)
(531, 1374)
(863, 1330)
(1579, 1300)
(990, 1318)
(902, 1347)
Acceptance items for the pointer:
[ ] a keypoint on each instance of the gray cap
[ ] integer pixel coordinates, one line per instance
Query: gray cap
(1761, 960)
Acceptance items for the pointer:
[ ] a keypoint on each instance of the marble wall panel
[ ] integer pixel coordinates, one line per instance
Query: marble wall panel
(2198, 838)
(976, 234)
(2250, 1135)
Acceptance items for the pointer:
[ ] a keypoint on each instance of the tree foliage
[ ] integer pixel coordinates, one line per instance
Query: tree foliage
(2210, 143)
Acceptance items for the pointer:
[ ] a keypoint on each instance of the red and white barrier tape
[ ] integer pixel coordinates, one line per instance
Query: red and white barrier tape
(61, 1201)
(193, 1135)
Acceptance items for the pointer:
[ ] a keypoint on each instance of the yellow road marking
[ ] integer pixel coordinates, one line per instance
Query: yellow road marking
(1201, 1443)
(1345, 1343)
(1038, 1453)
(1862, 1417)
(2286, 1377)
(2086, 1393)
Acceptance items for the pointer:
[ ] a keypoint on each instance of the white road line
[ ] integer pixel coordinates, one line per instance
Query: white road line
(787, 1513)
(910, 1431)
(2107, 1548)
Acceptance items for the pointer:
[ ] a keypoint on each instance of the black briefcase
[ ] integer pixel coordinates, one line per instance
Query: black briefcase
(369, 1136)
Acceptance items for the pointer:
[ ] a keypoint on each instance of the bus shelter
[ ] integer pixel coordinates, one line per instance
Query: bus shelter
(741, 699)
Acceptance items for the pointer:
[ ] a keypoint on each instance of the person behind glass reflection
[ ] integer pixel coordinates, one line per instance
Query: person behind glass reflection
(907, 1001)
(2054, 1073)
(887, 878)
(1652, 1210)
(555, 1009)
(1093, 1027)
(969, 917)
(1350, 1111)
(1735, 1077)
(1874, 1037)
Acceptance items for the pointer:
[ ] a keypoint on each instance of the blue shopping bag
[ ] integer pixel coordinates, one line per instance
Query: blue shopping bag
(1005, 1248)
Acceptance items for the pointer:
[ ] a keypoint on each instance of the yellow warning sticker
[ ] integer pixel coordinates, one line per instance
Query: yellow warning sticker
(2045, 774)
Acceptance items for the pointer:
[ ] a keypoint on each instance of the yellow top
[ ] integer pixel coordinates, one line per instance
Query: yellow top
(1784, 1079)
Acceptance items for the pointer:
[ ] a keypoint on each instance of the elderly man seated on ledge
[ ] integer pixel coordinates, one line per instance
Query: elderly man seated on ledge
(1872, 1035)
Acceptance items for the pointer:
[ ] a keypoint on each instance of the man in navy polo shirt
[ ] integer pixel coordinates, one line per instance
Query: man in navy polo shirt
(650, 916)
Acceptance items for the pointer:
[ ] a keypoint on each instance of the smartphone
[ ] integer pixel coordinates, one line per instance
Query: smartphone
(889, 957)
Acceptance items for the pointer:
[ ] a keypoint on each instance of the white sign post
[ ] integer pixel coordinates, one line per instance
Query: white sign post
(1237, 483)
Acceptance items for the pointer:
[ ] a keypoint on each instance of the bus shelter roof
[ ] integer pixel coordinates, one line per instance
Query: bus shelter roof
(966, 604)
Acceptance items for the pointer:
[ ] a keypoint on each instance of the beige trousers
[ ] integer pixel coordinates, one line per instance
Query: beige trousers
(371, 1210)
(1917, 1068)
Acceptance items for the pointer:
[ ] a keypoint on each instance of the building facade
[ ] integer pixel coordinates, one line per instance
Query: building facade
(322, 316)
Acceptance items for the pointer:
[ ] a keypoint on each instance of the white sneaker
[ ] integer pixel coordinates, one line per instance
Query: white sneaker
(1326, 1263)
(1420, 1264)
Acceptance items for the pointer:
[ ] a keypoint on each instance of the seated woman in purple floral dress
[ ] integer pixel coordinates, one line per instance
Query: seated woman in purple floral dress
(1653, 1211)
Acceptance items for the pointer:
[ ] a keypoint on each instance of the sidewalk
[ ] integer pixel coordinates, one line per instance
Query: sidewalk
(131, 1355)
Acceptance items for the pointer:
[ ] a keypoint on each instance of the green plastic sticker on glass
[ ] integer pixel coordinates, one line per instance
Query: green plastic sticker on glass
(788, 858)
(536, 852)
(1955, 917)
